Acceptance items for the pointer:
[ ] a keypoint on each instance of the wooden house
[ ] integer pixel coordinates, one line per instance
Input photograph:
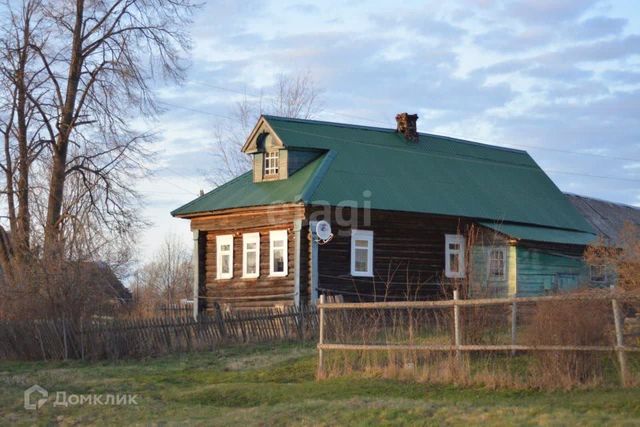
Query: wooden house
(411, 215)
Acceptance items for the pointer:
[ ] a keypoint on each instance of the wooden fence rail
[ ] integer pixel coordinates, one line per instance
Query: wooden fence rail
(121, 338)
(457, 345)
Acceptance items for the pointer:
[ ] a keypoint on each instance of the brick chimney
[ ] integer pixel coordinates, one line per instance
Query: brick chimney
(406, 125)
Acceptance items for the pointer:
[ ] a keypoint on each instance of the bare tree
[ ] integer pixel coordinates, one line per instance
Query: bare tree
(295, 95)
(19, 78)
(620, 261)
(74, 72)
(166, 280)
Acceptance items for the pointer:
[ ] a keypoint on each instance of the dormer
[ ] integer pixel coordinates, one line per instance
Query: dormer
(270, 156)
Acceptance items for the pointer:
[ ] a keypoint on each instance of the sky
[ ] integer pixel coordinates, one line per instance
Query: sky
(558, 78)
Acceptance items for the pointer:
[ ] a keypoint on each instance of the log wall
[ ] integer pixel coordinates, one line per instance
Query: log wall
(263, 291)
(408, 254)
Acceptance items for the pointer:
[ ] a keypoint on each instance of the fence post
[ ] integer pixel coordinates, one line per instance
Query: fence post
(622, 355)
(514, 320)
(64, 338)
(302, 310)
(321, 339)
(220, 321)
(456, 323)
(81, 339)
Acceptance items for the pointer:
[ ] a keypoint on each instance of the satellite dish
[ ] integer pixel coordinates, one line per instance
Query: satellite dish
(323, 231)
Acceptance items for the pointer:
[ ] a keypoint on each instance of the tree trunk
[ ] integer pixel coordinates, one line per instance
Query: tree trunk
(22, 229)
(52, 233)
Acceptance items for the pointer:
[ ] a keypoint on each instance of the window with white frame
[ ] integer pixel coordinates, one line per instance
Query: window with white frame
(454, 256)
(271, 160)
(598, 273)
(361, 253)
(251, 255)
(497, 263)
(224, 249)
(278, 253)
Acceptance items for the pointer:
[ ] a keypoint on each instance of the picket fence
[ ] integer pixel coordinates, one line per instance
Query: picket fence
(123, 338)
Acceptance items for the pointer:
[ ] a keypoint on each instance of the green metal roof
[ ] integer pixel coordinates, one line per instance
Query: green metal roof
(437, 175)
(243, 192)
(542, 234)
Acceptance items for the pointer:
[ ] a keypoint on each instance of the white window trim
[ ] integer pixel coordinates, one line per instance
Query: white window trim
(274, 236)
(604, 277)
(449, 239)
(504, 263)
(250, 238)
(226, 239)
(362, 235)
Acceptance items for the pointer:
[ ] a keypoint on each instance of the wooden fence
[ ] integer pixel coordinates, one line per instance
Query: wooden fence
(456, 345)
(114, 339)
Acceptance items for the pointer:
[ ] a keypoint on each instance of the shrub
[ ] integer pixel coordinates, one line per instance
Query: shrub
(569, 323)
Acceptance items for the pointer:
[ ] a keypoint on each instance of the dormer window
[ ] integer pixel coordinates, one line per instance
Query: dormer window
(270, 156)
(271, 163)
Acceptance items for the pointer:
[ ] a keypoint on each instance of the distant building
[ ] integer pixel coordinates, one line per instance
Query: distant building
(606, 218)
(107, 283)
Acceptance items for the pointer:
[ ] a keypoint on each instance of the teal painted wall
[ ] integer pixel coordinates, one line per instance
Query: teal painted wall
(481, 284)
(541, 272)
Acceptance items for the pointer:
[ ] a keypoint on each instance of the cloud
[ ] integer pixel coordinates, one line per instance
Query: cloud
(547, 11)
(599, 26)
(605, 50)
(420, 23)
(562, 77)
(622, 76)
(304, 8)
(506, 40)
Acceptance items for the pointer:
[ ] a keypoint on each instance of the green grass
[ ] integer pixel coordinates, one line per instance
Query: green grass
(265, 385)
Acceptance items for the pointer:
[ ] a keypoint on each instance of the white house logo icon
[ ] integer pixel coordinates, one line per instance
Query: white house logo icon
(34, 397)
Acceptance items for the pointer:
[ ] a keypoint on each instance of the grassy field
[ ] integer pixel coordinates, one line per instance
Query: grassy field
(265, 385)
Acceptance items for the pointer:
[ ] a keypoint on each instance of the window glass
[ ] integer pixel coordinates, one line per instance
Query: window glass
(226, 265)
(454, 261)
(278, 260)
(497, 264)
(361, 260)
(598, 273)
(251, 263)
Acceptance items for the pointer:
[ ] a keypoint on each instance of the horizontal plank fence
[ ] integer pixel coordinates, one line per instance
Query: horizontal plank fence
(124, 338)
(396, 324)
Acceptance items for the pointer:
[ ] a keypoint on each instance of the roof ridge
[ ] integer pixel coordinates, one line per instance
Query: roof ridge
(390, 130)
(324, 122)
(597, 199)
(482, 144)
(316, 178)
(431, 152)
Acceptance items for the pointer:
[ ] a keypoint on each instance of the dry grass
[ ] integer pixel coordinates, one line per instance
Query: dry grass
(577, 323)
(566, 322)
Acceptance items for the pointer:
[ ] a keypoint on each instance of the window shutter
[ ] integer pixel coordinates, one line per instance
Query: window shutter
(257, 167)
(283, 164)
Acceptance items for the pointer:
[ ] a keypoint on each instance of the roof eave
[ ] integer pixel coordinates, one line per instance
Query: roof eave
(238, 209)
